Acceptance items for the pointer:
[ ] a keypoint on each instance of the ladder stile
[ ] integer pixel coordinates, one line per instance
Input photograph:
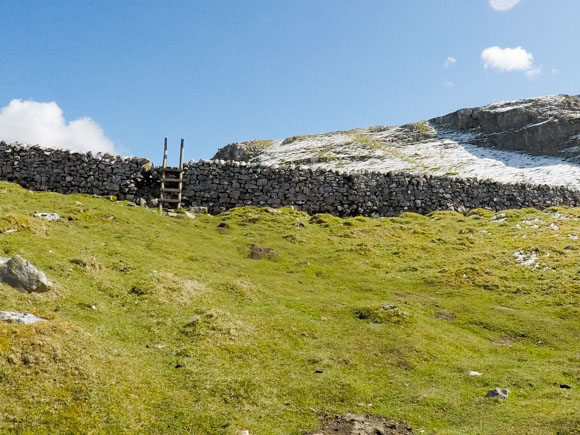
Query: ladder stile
(171, 181)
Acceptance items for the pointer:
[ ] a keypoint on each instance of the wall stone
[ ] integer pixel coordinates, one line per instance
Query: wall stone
(221, 185)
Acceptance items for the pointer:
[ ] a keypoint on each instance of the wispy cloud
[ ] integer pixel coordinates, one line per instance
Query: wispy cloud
(503, 5)
(449, 84)
(449, 61)
(32, 122)
(510, 59)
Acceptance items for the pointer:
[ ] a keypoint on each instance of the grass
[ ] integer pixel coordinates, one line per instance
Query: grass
(162, 324)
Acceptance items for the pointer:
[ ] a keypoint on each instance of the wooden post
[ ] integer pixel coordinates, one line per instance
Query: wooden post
(180, 174)
(165, 154)
(161, 196)
(181, 155)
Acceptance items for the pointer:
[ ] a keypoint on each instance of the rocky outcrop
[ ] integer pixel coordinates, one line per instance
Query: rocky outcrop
(536, 140)
(545, 125)
(243, 151)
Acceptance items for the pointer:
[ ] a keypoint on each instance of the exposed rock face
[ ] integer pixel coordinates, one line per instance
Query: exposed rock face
(242, 151)
(23, 276)
(546, 125)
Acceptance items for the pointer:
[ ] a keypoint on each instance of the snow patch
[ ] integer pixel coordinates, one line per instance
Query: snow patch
(527, 260)
(451, 153)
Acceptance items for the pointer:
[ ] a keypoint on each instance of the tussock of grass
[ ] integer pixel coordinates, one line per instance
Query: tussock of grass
(164, 325)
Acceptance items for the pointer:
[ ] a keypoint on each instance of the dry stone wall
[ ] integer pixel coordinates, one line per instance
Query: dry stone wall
(220, 185)
(63, 171)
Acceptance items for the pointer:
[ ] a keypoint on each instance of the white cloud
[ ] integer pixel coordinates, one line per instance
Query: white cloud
(449, 84)
(449, 61)
(503, 5)
(34, 123)
(509, 59)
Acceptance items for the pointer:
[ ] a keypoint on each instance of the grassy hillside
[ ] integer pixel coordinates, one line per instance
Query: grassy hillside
(163, 324)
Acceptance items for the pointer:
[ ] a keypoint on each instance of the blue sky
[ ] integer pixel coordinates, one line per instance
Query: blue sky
(219, 71)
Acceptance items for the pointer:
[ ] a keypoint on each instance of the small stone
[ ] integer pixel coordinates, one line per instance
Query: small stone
(565, 386)
(474, 373)
(501, 393)
(190, 215)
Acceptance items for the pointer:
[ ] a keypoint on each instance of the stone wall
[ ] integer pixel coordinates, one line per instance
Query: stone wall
(221, 185)
(63, 171)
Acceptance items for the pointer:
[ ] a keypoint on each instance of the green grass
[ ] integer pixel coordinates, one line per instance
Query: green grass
(162, 324)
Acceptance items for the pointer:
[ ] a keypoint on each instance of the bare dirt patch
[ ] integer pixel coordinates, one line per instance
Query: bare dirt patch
(449, 317)
(258, 252)
(353, 424)
(504, 341)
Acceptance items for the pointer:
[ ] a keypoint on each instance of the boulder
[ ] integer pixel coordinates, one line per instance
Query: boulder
(23, 276)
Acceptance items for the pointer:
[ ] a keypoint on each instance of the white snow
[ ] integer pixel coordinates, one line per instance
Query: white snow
(448, 154)
(19, 318)
(499, 217)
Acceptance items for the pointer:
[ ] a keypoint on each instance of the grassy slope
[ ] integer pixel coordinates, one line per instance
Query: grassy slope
(210, 341)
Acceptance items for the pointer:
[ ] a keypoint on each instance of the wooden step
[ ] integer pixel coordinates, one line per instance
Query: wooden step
(172, 170)
(172, 180)
(171, 200)
(165, 189)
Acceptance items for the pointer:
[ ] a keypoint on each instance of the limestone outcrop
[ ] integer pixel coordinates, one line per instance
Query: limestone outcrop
(543, 126)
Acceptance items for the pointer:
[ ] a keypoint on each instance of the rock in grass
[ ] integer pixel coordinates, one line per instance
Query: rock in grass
(501, 393)
(23, 276)
(48, 216)
(19, 318)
